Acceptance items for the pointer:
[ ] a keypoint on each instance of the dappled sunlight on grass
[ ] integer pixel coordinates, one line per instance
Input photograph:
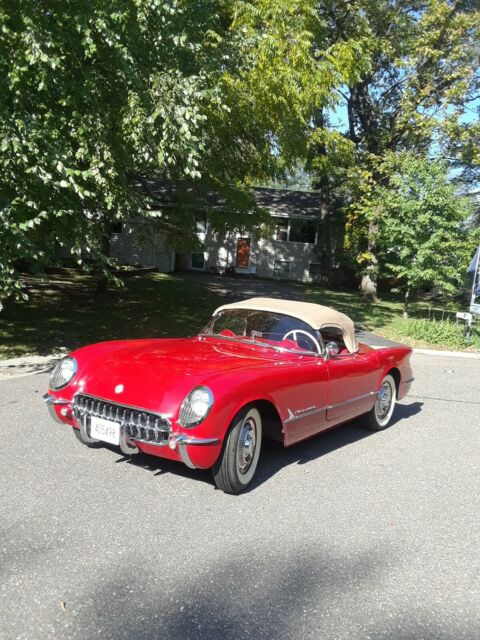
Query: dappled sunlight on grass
(66, 316)
(65, 312)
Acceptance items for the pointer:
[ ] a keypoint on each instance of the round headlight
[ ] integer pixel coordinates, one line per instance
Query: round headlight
(63, 373)
(196, 407)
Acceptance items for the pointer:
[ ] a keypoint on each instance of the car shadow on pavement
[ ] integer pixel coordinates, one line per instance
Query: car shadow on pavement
(274, 456)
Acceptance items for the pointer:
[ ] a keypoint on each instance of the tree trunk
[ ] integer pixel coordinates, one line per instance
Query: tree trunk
(102, 281)
(406, 300)
(368, 285)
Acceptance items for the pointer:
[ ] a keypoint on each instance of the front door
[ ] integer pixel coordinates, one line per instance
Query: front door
(243, 253)
(352, 384)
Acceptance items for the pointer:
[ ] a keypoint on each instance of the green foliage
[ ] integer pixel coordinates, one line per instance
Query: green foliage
(95, 94)
(444, 333)
(420, 223)
(410, 74)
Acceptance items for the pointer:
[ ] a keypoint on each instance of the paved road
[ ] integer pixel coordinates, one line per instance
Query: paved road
(350, 535)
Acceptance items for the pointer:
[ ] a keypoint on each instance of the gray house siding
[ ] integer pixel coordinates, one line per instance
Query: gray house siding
(140, 244)
(279, 255)
(267, 257)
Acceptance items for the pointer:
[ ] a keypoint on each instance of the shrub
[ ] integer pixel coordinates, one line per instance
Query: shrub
(446, 333)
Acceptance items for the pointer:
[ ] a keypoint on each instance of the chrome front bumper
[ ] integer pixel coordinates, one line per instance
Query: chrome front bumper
(51, 403)
(178, 441)
(181, 440)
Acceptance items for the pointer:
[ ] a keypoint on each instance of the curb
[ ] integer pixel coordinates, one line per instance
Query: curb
(28, 365)
(448, 354)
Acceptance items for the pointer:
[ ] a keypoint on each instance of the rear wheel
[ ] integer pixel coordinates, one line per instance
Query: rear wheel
(238, 461)
(381, 414)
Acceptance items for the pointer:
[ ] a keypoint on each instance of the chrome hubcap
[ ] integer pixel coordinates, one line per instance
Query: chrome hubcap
(384, 401)
(246, 445)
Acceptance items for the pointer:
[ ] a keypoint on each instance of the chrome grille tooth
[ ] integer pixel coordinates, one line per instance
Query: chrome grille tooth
(139, 424)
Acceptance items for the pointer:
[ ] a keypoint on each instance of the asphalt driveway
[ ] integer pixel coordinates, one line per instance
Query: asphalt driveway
(349, 535)
(233, 289)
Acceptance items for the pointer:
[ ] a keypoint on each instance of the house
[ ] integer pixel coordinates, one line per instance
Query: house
(299, 247)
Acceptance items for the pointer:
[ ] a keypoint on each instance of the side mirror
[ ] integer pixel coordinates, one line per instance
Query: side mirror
(331, 349)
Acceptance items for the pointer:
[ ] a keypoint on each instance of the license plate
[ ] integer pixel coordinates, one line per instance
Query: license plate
(105, 430)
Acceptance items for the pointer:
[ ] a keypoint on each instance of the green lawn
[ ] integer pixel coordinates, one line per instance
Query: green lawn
(64, 312)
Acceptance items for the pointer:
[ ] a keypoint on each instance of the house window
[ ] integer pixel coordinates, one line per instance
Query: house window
(315, 271)
(295, 230)
(281, 269)
(281, 229)
(302, 231)
(197, 261)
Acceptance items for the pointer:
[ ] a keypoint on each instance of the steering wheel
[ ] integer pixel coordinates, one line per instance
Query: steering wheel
(295, 332)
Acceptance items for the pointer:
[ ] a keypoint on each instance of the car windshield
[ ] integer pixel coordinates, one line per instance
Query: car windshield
(265, 328)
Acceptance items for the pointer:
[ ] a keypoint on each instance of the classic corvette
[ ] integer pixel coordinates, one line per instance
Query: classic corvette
(263, 367)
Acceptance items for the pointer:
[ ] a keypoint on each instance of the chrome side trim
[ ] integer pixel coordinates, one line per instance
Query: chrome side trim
(293, 418)
(350, 400)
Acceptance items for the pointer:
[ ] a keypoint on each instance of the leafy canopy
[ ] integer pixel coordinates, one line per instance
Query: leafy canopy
(95, 94)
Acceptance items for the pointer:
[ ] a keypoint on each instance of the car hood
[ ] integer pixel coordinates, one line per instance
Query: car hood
(154, 373)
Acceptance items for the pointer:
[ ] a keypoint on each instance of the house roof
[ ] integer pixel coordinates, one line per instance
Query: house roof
(282, 202)
(279, 202)
(315, 315)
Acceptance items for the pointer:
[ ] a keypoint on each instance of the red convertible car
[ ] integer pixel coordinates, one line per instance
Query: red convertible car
(261, 368)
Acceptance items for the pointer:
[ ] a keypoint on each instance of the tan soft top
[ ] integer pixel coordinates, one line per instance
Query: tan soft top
(315, 315)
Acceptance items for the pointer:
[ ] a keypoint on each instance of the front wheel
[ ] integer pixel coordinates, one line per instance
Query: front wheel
(238, 461)
(381, 414)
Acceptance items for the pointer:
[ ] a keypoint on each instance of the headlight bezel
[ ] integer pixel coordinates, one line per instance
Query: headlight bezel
(186, 417)
(56, 373)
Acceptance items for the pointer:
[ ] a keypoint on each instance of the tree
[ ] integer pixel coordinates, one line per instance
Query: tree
(422, 237)
(409, 73)
(94, 95)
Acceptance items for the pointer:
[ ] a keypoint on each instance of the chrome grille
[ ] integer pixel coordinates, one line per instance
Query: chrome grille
(140, 425)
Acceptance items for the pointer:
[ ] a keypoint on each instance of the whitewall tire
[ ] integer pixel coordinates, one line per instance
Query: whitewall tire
(237, 464)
